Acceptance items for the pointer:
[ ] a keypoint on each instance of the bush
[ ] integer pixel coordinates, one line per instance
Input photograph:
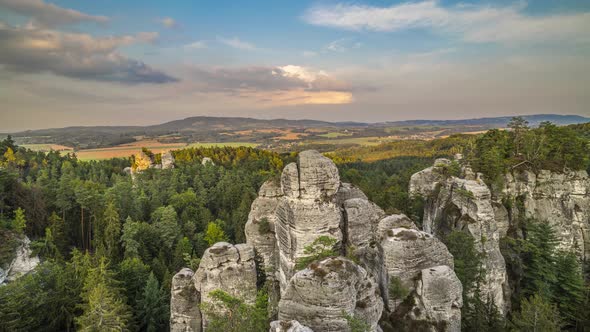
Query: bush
(322, 247)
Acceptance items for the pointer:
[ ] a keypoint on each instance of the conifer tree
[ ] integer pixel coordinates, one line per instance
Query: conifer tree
(153, 306)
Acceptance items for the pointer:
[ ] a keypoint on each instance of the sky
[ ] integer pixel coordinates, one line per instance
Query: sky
(112, 62)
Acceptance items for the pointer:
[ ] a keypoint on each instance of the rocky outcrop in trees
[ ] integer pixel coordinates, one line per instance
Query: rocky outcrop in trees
(350, 279)
(464, 204)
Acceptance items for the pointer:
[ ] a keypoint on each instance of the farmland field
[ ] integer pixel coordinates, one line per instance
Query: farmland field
(126, 150)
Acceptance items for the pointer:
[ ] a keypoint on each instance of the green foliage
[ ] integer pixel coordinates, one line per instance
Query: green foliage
(356, 324)
(227, 313)
(215, 233)
(397, 290)
(570, 292)
(320, 248)
(19, 223)
(154, 310)
(466, 258)
(103, 307)
(263, 226)
(537, 314)
(112, 232)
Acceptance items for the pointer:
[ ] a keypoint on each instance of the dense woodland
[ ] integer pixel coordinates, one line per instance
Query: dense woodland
(110, 245)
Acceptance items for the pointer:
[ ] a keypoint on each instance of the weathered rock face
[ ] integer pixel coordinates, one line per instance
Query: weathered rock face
(321, 295)
(185, 315)
(407, 252)
(260, 227)
(465, 205)
(309, 201)
(288, 326)
(437, 302)
(560, 199)
(228, 268)
(424, 182)
(22, 263)
(167, 160)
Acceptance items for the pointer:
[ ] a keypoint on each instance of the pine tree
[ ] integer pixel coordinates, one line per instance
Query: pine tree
(153, 306)
(57, 227)
(537, 315)
(112, 232)
(569, 291)
(104, 308)
(19, 223)
(539, 263)
(214, 234)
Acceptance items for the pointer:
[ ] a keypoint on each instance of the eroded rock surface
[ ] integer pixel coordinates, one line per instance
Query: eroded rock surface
(465, 205)
(228, 268)
(22, 263)
(560, 199)
(437, 303)
(322, 295)
(185, 315)
(288, 326)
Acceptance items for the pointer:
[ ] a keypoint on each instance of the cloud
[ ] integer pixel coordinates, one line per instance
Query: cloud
(196, 45)
(47, 14)
(342, 45)
(168, 22)
(75, 55)
(474, 23)
(237, 43)
(309, 54)
(284, 85)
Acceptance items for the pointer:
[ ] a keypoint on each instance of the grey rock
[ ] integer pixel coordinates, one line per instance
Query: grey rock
(288, 326)
(466, 205)
(228, 268)
(185, 315)
(395, 221)
(438, 301)
(299, 223)
(407, 252)
(348, 191)
(207, 161)
(167, 160)
(560, 199)
(361, 221)
(318, 175)
(320, 295)
(22, 263)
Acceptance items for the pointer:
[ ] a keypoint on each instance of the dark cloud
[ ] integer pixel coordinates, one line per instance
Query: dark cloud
(47, 14)
(75, 55)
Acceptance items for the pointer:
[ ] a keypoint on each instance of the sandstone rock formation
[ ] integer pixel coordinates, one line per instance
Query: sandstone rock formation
(22, 263)
(185, 315)
(465, 205)
(407, 252)
(167, 160)
(228, 268)
(437, 303)
(560, 199)
(322, 295)
(288, 326)
(289, 214)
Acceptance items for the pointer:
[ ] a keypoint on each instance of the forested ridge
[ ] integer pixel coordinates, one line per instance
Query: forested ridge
(110, 244)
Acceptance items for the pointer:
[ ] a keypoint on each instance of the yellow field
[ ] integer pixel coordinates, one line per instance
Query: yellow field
(127, 150)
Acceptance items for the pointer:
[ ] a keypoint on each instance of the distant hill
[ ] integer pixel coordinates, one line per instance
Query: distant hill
(496, 122)
(221, 129)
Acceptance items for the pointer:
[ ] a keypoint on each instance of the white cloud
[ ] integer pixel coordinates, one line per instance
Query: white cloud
(47, 14)
(196, 45)
(474, 23)
(168, 22)
(237, 43)
(342, 45)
